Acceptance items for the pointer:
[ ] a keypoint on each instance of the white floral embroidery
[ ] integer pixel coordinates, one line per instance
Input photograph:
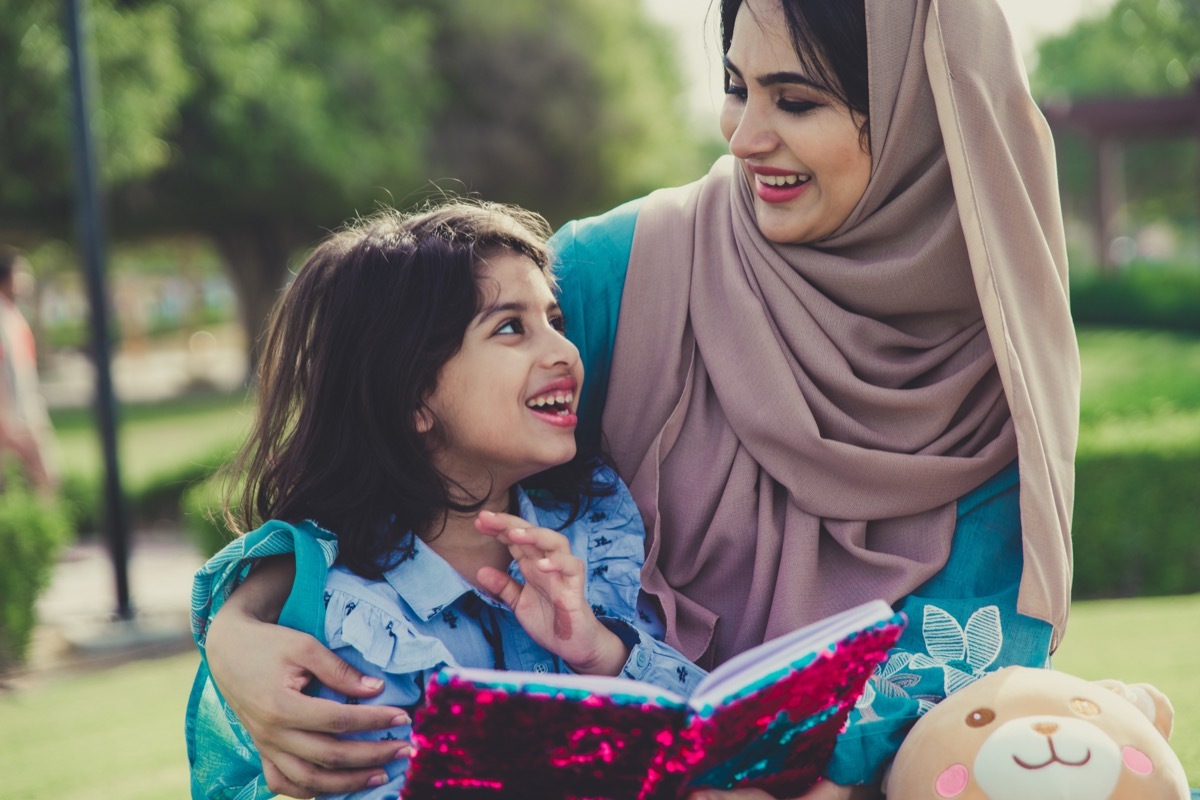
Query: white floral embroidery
(962, 653)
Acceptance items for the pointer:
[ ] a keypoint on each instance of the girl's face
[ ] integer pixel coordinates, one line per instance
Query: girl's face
(505, 403)
(798, 146)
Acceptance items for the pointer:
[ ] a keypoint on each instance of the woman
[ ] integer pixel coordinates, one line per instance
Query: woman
(851, 338)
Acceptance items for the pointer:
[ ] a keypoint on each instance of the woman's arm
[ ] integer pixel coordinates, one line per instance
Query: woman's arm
(262, 670)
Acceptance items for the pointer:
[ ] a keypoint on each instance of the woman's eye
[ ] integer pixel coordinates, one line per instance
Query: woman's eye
(733, 90)
(797, 106)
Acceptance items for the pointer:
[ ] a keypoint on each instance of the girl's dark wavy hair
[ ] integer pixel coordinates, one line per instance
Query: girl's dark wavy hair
(830, 38)
(352, 352)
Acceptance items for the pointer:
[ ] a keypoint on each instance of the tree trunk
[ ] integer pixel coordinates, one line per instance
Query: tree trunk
(257, 261)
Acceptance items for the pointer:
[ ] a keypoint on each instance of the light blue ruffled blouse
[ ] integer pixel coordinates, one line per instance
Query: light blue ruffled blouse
(425, 615)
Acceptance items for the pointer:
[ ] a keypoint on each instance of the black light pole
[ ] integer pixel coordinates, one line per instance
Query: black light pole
(91, 242)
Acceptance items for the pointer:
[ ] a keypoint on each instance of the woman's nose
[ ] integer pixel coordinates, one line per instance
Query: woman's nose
(752, 134)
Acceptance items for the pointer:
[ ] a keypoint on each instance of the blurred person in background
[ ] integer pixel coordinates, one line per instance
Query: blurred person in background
(25, 428)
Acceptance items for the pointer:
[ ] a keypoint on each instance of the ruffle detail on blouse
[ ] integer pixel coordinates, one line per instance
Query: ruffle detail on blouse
(384, 639)
(615, 553)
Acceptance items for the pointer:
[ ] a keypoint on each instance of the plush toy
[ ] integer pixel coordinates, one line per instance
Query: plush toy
(1036, 734)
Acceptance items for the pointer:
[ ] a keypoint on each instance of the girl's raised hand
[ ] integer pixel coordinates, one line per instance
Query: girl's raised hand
(551, 606)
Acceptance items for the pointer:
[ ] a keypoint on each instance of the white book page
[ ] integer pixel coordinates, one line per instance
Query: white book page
(752, 665)
(592, 684)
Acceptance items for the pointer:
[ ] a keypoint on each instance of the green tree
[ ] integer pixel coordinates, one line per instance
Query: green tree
(303, 114)
(136, 48)
(290, 117)
(566, 107)
(1139, 48)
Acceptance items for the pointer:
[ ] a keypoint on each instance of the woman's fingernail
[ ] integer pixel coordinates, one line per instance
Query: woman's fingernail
(378, 780)
(400, 719)
(404, 751)
(372, 683)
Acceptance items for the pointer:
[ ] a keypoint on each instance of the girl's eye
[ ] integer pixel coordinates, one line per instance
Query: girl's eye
(558, 323)
(733, 90)
(510, 327)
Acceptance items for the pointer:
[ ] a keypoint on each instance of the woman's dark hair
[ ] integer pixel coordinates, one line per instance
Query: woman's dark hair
(352, 352)
(830, 38)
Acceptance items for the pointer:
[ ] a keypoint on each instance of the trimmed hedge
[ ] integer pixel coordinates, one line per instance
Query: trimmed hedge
(159, 497)
(33, 530)
(1137, 525)
(202, 508)
(1140, 297)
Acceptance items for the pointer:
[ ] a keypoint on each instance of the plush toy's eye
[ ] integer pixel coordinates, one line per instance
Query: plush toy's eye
(980, 717)
(1084, 707)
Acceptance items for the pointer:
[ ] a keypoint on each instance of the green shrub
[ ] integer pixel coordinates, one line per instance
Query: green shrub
(33, 531)
(161, 495)
(1137, 524)
(203, 505)
(1142, 297)
(81, 499)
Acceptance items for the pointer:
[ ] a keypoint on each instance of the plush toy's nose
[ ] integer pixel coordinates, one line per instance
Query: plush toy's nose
(1046, 728)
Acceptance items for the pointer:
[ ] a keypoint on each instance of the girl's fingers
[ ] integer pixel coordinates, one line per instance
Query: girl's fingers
(563, 563)
(524, 541)
(499, 584)
(497, 523)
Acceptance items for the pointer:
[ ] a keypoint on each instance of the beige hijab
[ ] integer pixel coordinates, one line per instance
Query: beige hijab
(797, 422)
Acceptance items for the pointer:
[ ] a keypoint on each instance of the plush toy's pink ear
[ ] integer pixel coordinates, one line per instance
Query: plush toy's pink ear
(1147, 699)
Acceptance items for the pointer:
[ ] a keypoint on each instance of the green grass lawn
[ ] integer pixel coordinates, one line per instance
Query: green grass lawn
(119, 733)
(111, 735)
(153, 439)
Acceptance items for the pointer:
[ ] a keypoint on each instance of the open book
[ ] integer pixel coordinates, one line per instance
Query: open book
(768, 718)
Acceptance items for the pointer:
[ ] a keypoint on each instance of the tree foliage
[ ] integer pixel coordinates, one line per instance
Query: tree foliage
(1141, 47)
(136, 48)
(568, 107)
(261, 124)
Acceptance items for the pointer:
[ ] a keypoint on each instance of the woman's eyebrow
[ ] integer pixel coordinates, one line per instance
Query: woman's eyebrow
(775, 78)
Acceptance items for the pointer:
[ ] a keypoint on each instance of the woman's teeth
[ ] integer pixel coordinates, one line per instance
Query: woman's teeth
(781, 180)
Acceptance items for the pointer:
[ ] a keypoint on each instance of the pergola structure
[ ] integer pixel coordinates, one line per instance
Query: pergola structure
(1107, 124)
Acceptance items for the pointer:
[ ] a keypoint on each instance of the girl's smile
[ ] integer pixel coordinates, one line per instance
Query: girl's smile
(555, 403)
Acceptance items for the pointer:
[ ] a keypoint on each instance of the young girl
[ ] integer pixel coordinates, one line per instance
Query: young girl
(417, 399)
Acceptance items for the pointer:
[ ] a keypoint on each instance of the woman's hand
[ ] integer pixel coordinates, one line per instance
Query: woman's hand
(551, 606)
(261, 670)
(825, 790)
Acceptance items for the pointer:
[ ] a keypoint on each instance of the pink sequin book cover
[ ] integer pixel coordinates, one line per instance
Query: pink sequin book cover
(768, 718)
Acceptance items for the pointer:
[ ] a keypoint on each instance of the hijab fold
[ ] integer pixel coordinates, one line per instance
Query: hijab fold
(802, 448)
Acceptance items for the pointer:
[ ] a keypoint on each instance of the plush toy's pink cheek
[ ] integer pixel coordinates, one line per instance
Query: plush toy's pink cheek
(1137, 761)
(952, 781)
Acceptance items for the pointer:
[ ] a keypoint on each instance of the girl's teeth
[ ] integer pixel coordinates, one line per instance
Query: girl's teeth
(558, 399)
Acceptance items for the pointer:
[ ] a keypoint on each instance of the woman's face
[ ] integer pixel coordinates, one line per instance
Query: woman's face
(798, 146)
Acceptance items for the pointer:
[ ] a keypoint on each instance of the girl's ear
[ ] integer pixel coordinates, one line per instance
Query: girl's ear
(424, 420)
